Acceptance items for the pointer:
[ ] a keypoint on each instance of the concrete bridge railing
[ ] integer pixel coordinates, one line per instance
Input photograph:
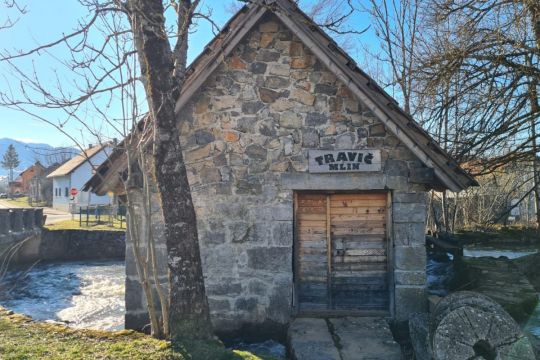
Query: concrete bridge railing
(20, 233)
(20, 220)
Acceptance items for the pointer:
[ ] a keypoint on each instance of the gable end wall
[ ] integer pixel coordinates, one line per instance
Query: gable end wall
(246, 135)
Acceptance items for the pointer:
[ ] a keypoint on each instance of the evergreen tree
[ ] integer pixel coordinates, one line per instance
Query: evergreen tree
(10, 160)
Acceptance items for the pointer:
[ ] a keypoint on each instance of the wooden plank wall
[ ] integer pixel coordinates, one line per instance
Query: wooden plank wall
(312, 251)
(359, 254)
(342, 254)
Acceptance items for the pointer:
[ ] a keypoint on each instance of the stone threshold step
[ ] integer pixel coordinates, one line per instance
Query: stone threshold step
(343, 338)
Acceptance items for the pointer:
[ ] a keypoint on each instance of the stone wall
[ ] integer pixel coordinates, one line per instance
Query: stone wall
(75, 245)
(246, 136)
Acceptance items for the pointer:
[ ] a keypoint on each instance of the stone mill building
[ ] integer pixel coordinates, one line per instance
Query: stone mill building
(309, 181)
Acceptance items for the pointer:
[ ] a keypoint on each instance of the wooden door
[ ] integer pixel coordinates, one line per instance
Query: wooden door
(342, 251)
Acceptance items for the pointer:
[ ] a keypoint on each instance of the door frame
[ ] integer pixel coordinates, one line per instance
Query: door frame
(296, 311)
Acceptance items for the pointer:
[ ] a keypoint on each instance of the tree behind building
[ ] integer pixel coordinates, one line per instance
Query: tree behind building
(10, 160)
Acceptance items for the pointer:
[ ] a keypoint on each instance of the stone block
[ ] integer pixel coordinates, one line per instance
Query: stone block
(236, 63)
(257, 287)
(282, 233)
(267, 55)
(266, 39)
(409, 212)
(218, 305)
(377, 130)
(279, 69)
(269, 27)
(303, 97)
(280, 301)
(411, 258)
(256, 152)
(291, 120)
(258, 67)
(226, 287)
(209, 175)
(198, 154)
(397, 183)
(203, 137)
(252, 107)
(134, 296)
(137, 321)
(316, 119)
(271, 259)
(396, 168)
(246, 304)
(410, 277)
(409, 300)
(422, 175)
(325, 89)
(282, 212)
(246, 124)
(345, 141)
(300, 62)
(268, 95)
(310, 138)
(402, 197)
(277, 82)
(239, 231)
(409, 233)
(296, 48)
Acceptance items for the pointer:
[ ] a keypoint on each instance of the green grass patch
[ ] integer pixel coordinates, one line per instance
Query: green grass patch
(21, 201)
(22, 338)
(93, 224)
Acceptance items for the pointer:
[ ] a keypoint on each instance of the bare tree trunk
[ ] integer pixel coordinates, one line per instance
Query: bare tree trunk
(188, 312)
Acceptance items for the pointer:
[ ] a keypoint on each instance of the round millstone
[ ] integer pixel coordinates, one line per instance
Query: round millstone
(466, 325)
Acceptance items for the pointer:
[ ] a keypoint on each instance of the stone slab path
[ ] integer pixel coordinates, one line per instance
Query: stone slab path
(345, 338)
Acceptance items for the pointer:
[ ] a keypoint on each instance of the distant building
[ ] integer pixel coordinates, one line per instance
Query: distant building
(21, 184)
(31, 172)
(40, 190)
(73, 174)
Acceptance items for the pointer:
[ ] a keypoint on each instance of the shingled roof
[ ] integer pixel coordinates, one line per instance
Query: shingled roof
(396, 120)
(72, 164)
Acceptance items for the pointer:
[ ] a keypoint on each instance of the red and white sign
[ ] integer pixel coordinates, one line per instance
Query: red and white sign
(73, 191)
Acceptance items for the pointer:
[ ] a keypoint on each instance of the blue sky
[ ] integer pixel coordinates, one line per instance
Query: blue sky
(46, 21)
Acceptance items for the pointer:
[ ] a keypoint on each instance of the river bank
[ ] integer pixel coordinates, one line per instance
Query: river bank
(23, 338)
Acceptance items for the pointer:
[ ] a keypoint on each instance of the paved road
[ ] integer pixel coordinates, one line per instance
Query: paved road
(53, 215)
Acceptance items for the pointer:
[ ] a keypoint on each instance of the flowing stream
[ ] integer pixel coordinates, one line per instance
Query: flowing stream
(82, 295)
(85, 295)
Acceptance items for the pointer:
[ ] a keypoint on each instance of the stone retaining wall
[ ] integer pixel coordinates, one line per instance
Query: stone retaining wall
(74, 245)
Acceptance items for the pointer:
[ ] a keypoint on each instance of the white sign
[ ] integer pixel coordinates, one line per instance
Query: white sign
(338, 161)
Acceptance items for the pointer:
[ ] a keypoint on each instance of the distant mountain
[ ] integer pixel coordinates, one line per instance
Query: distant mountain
(29, 153)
